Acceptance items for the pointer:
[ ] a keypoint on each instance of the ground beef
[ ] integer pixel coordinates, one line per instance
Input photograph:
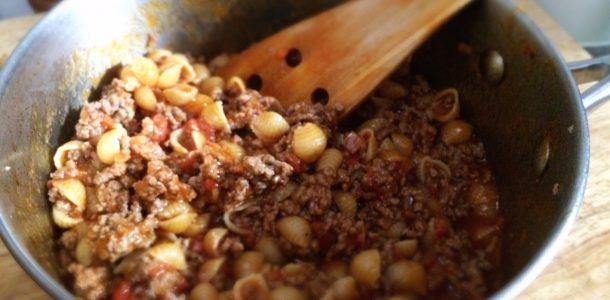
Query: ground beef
(265, 171)
(314, 194)
(115, 106)
(242, 108)
(160, 181)
(174, 115)
(90, 282)
(111, 196)
(118, 234)
(154, 280)
(145, 148)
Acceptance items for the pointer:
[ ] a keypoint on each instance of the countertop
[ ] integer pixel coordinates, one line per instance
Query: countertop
(580, 270)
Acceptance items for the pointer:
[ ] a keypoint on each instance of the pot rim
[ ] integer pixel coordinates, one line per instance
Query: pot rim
(508, 291)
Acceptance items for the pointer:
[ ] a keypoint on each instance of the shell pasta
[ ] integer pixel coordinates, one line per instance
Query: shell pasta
(180, 184)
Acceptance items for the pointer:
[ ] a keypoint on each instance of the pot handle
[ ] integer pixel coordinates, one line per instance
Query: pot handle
(591, 70)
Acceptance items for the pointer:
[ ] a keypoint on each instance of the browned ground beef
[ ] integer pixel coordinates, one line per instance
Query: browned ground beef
(166, 216)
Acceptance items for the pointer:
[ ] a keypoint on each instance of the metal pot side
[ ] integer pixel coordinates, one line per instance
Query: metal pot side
(61, 61)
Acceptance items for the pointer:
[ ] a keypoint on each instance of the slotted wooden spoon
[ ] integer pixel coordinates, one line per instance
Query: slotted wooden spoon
(339, 56)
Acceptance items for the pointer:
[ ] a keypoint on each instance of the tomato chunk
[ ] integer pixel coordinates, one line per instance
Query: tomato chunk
(123, 291)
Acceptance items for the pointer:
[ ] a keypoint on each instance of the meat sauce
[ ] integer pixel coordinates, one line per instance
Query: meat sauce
(179, 184)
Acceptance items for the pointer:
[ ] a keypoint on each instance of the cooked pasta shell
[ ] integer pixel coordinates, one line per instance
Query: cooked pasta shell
(188, 73)
(144, 70)
(212, 86)
(235, 86)
(170, 253)
(381, 102)
(179, 58)
(214, 115)
(296, 230)
(406, 248)
(198, 139)
(219, 61)
(174, 142)
(455, 132)
(179, 223)
(392, 155)
(108, 147)
(198, 226)
(366, 267)
(175, 208)
(250, 262)
(73, 190)
(335, 268)
(283, 192)
(159, 55)
(371, 143)
(180, 94)
(269, 126)
(128, 263)
(407, 276)
(402, 143)
(391, 89)
(387, 144)
(145, 98)
(330, 159)
(346, 202)
(375, 124)
(345, 289)
(196, 105)
(395, 231)
(252, 287)
(59, 159)
(271, 250)
(446, 105)
(130, 82)
(213, 239)
(62, 219)
(308, 142)
(201, 72)
(287, 293)
(169, 74)
(204, 291)
(210, 268)
(236, 151)
(427, 163)
(84, 252)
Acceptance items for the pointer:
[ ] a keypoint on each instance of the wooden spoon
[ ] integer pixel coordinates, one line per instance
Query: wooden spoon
(338, 57)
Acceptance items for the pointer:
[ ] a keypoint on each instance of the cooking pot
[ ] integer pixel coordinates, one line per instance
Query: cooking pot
(514, 87)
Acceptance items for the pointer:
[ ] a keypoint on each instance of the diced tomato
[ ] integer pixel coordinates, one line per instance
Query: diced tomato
(161, 128)
(196, 245)
(297, 164)
(107, 122)
(201, 126)
(210, 184)
(352, 160)
(187, 163)
(441, 228)
(325, 239)
(123, 291)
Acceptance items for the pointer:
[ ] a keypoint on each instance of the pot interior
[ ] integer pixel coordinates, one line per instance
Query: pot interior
(64, 58)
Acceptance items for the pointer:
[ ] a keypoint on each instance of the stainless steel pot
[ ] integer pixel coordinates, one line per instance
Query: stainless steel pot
(515, 88)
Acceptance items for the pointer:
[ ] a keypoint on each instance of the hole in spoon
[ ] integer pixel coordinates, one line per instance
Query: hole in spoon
(254, 82)
(293, 57)
(320, 95)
